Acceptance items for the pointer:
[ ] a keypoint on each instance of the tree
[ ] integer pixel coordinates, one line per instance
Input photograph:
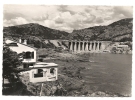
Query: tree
(114, 49)
(10, 61)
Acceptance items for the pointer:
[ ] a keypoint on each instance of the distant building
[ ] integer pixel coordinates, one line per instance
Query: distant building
(124, 47)
(29, 52)
(42, 72)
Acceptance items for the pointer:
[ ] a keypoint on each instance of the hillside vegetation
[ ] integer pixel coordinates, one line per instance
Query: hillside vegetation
(37, 34)
(34, 33)
(118, 31)
(34, 29)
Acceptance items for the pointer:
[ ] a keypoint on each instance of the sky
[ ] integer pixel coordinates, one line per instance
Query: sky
(64, 17)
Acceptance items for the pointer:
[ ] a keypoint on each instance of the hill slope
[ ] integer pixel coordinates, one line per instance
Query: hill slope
(34, 30)
(118, 31)
(34, 33)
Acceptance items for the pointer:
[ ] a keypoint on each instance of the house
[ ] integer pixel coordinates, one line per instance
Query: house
(42, 72)
(124, 47)
(21, 46)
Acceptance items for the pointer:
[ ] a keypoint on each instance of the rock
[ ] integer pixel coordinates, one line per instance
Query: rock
(54, 89)
(59, 92)
(101, 93)
(93, 94)
(107, 95)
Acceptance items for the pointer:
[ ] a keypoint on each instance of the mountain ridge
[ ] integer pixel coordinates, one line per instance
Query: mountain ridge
(34, 33)
(111, 32)
(120, 31)
(35, 30)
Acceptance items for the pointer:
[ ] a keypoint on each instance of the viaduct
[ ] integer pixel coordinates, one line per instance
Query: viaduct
(84, 46)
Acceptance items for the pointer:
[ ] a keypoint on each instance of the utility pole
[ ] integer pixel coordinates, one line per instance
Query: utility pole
(41, 89)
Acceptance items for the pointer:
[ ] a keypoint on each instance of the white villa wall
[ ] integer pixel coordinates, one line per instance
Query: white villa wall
(46, 75)
(38, 79)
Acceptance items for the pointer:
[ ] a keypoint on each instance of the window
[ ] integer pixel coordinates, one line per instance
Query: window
(40, 70)
(30, 64)
(32, 54)
(12, 44)
(22, 41)
(52, 70)
(28, 55)
(39, 73)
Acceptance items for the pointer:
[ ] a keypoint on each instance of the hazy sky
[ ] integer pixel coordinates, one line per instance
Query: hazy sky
(64, 17)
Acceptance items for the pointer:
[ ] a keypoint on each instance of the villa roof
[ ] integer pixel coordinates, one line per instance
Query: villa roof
(21, 43)
(44, 65)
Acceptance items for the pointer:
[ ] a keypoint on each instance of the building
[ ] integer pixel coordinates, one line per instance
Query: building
(122, 46)
(42, 72)
(29, 52)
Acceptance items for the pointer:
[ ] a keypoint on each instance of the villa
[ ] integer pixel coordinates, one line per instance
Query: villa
(21, 46)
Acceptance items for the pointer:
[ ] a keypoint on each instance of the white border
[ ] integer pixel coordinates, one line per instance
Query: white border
(66, 2)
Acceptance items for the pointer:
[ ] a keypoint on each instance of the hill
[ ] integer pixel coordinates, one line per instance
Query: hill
(34, 33)
(118, 31)
(34, 29)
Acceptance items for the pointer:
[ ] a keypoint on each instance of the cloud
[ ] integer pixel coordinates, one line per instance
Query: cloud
(65, 17)
(30, 11)
(49, 23)
(73, 9)
(9, 15)
(65, 8)
(59, 21)
(41, 17)
(16, 21)
(108, 18)
(127, 11)
(99, 20)
(89, 19)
